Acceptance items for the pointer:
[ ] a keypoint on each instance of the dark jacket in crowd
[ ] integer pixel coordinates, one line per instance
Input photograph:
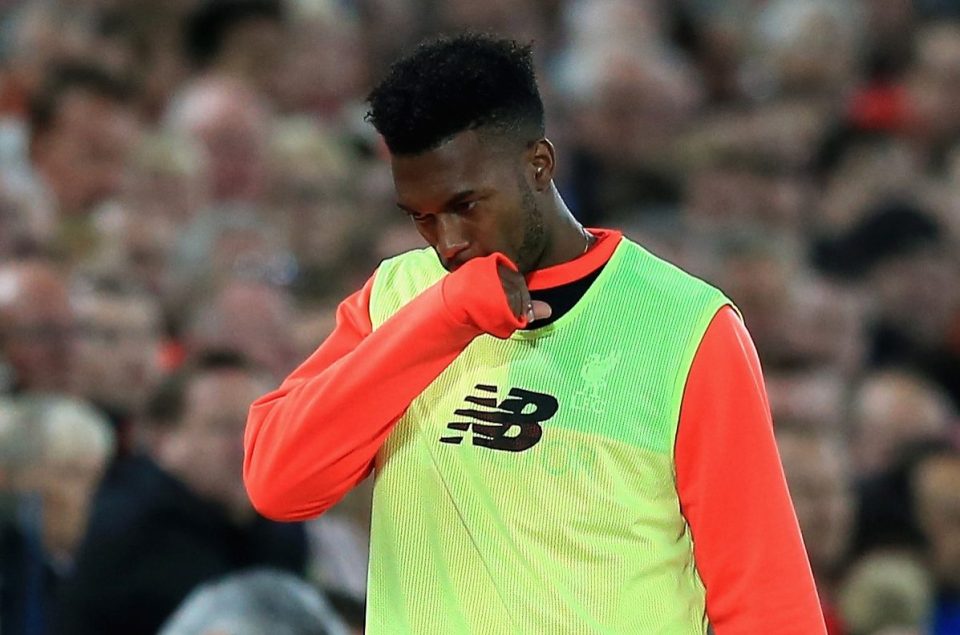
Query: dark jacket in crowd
(28, 581)
(151, 540)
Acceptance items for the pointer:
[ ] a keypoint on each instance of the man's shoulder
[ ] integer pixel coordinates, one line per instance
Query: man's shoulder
(652, 273)
(138, 497)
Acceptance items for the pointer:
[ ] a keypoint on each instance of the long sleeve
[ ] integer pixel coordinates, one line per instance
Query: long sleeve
(315, 437)
(733, 493)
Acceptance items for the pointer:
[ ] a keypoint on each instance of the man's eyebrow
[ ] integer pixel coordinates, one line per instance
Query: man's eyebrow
(453, 200)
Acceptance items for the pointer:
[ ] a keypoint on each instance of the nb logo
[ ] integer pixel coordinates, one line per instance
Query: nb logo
(512, 425)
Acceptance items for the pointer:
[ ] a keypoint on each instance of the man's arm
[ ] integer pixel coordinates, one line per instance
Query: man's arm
(733, 493)
(315, 437)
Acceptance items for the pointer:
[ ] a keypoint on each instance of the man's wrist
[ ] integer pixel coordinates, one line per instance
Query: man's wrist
(473, 295)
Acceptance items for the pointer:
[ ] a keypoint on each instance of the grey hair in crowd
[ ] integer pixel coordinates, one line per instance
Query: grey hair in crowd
(253, 603)
(51, 427)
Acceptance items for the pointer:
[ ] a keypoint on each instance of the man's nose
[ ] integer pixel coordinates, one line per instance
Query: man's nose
(451, 238)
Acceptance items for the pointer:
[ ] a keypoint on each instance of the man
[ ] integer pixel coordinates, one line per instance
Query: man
(37, 326)
(569, 435)
(937, 505)
(230, 123)
(240, 39)
(83, 131)
(248, 316)
(821, 487)
(53, 452)
(119, 331)
(254, 603)
(164, 524)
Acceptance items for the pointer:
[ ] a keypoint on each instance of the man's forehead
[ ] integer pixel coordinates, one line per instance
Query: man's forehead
(467, 159)
(233, 387)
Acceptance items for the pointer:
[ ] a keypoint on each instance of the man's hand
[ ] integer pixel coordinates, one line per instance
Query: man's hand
(518, 296)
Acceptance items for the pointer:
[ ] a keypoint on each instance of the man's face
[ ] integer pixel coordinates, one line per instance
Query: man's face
(212, 428)
(66, 485)
(938, 507)
(469, 198)
(37, 331)
(84, 155)
(821, 494)
(118, 339)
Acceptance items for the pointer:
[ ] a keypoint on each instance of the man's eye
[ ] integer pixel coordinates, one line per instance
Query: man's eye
(418, 218)
(465, 206)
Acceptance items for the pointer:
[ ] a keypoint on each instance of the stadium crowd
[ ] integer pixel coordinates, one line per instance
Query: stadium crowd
(188, 188)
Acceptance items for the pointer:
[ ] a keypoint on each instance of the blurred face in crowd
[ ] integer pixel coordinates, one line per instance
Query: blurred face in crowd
(890, 410)
(635, 111)
(324, 67)
(231, 125)
(252, 50)
(252, 318)
(820, 488)
(205, 449)
(83, 156)
(759, 284)
(938, 508)
(812, 397)
(934, 82)
(732, 196)
(925, 279)
(65, 476)
(118, 339)
(36, 326)
(23, 220)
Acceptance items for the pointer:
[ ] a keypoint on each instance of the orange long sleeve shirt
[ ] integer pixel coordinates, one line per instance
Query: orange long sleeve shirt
(316, 436)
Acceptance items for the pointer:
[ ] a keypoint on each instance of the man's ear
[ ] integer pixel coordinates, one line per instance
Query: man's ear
(542, 161)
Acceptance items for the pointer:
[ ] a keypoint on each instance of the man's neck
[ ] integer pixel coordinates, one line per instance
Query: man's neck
(567, 239)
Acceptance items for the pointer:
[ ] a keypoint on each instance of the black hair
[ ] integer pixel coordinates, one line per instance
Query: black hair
(45, 104)
(452, 84)
(165, 407)
(892, 230)
(209, 25)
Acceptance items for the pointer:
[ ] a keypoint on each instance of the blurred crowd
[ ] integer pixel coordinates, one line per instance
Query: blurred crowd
(188, 188)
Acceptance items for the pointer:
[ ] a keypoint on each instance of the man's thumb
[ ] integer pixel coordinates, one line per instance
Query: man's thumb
(541, 310)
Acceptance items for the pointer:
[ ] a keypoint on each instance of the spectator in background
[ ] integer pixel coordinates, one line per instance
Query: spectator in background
(932, 88)
(83, 130)
(230, 122)
(904, 253)
(937, 500)
(254, 603)
(238, 39)
(315, 199)
(324, 70)
(628, 108)
(887, 590)
(37, 326)
(53, 452)
(117, 349)
(891, 409)
(822, 491)
(251, 317)
(177, 517)
(26, 224)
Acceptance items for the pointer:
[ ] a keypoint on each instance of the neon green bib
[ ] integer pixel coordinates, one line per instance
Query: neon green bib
(531, 487)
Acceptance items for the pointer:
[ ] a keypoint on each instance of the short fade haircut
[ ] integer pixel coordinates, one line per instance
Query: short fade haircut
(454, 84)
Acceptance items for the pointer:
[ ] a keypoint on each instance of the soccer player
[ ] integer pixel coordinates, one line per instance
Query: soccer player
(569, 435)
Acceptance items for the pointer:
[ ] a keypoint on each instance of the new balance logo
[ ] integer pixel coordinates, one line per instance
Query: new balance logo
(510, 425)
